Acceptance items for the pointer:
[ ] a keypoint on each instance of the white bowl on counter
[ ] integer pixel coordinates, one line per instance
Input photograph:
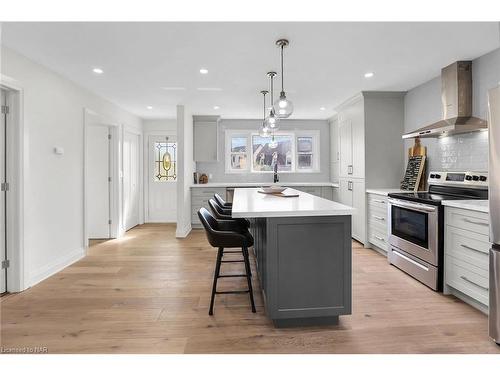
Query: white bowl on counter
(273, 189)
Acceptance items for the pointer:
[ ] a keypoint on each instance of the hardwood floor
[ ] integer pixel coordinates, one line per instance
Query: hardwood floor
(149, 293)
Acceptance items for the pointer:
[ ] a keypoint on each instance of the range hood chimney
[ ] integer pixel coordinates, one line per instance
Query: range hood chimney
(456, 96)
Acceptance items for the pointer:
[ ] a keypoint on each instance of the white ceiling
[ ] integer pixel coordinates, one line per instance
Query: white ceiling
(324, 65)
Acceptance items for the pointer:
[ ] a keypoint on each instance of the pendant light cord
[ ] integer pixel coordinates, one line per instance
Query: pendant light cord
(264, 94)
(282, 79)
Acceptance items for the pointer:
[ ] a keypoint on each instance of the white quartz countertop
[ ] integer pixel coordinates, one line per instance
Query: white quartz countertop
(248, 202)
(259, 184)
(470, 204)
(386, 191)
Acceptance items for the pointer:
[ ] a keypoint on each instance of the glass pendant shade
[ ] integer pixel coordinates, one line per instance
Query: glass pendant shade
(272, 121)
(283, 107)
(264, 131)
(273, 144)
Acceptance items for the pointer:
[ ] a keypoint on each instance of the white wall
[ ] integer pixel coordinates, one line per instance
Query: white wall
(186, 165)
(423, 107)
(53, 207)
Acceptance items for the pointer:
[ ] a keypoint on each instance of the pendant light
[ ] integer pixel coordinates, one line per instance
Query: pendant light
(264, 129)
(283, 107)
(272, 121)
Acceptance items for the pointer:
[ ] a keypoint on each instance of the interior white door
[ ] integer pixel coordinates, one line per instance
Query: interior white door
(162, 193)
(3, 195)
(131, 180)
(345, 148)
(98, 182)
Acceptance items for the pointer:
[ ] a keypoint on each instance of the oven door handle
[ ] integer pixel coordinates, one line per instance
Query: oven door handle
(417, 207)
(410, 260)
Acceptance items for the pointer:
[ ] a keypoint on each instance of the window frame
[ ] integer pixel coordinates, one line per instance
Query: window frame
(295, 134)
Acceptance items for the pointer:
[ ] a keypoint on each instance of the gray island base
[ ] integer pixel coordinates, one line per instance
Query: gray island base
(303, 262)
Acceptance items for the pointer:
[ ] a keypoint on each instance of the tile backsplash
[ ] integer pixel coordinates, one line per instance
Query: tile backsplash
(467, 152)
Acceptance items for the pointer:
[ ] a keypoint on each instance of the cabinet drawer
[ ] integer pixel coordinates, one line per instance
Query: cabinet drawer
(379, 201)
(460, 276)
(207, 192)
(469, 220)
(377, 237)
(470, 247)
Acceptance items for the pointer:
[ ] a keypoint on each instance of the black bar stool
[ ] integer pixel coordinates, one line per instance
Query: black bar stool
(222, 202)
(226, 234)
(225, 213)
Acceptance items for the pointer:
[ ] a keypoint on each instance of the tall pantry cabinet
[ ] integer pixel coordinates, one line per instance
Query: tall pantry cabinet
(368, 129)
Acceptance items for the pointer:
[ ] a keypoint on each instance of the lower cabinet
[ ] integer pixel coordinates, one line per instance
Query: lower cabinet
(199, 198)
(377, 221)
(466, 262)
(352, 193)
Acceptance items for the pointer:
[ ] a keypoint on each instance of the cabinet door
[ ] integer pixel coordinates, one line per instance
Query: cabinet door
(359, 217)
(345, 148)
(345, 192)
(357, 169)
(205, 141)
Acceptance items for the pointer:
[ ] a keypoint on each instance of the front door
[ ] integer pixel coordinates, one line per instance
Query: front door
(162, 179)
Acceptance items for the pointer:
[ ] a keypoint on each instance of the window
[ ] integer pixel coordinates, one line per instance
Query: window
(293, 151)
(165, 160)
(265, 153)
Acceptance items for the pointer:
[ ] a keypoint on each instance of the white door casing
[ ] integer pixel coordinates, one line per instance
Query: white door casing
(3, 214)
(131, 179)
(98, 181)
(162, 196)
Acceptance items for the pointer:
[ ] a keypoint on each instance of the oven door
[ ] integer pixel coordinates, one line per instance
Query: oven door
(413, 227)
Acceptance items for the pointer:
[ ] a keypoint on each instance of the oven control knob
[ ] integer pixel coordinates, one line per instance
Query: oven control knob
(432, 175)
(475, 178)
(468, 178)
(482, 178)
(438, 176)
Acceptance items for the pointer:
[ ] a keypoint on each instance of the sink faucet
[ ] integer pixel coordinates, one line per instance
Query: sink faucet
(276, 177)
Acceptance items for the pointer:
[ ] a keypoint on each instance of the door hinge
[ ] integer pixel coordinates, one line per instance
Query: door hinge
(4, 186)
(109, 179)
(5, 264)
(5, 109)
(109, 221)
(109, 136)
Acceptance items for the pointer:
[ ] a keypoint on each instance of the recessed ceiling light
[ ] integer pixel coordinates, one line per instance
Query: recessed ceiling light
(216, 107)
(322, 108)
(369, 75)
(98, 70)
(149, 107)
(204, 71)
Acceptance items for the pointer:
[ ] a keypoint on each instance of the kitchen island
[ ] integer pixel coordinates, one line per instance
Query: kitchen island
(303, 255)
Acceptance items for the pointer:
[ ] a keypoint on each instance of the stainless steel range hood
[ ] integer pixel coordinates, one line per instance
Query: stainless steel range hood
(456, 96)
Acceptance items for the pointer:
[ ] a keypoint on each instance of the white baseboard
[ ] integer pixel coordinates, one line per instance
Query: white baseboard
(48, 270)
(183, 232)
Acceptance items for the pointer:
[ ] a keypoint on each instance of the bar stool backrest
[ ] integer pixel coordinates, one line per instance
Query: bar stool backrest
(218, 210)
(210, 224)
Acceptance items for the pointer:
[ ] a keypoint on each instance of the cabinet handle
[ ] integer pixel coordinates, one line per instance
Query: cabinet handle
(349, 185)
(349, 169)
(378, 218)
(471, 248)
(476, 222)
(378, 201)
(379, 238)
(473, 283)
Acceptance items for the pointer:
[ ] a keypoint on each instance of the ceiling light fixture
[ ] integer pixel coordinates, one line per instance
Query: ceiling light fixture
(149, 107)
(369, 75)
(272, 120)
(283, 107)
(322, 108)
(216, 107)
(204, 71)
(264, 129)
(98, 70)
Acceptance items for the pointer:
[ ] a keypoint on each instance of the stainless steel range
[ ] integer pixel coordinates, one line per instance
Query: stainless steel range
(416, 226)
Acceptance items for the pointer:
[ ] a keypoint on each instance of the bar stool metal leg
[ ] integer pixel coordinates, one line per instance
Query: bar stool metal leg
(249, 277)
(216, 276)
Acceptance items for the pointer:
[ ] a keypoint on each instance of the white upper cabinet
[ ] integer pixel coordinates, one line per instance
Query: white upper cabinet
(205, 129)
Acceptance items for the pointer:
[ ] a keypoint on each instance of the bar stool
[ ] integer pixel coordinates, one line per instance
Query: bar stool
(222, 202)
(225, 213)
(226, 234)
